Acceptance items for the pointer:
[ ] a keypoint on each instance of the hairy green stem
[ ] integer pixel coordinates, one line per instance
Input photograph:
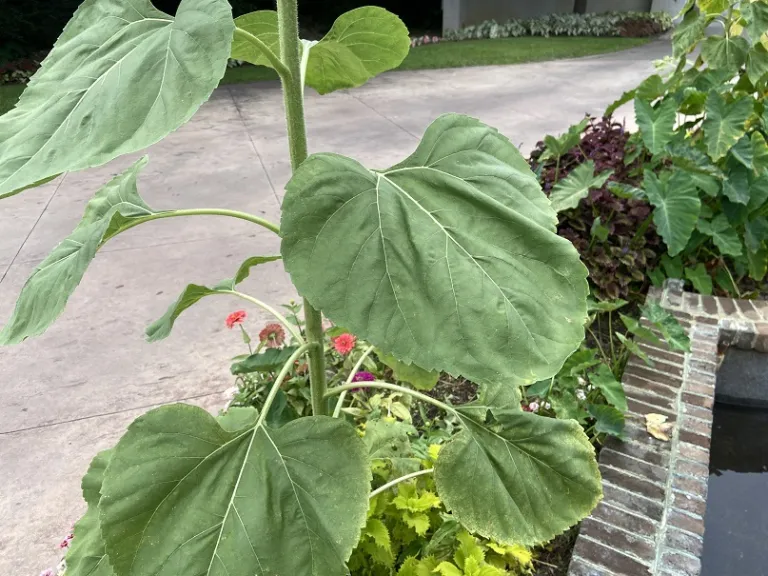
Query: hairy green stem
(205, 212)
(395, 388)
(397, 481)
(279, 67)
(264, 306)
(351, 376)
(293, 97)
(284, 371)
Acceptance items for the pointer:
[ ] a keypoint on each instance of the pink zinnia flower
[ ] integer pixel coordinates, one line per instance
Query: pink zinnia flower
(363, 377)
(344, 344)
(273, 336)
(66, 541)
(48, 572)
(235, 318)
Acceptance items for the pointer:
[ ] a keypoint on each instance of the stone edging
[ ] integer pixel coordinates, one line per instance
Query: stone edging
(651, 519)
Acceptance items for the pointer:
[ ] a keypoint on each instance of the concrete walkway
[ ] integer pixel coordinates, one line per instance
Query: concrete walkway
(70, 393)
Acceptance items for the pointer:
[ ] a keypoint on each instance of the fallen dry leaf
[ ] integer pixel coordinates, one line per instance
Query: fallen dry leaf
(658, 427)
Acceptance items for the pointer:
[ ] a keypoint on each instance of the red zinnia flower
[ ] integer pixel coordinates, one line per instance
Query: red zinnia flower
(344, 344)
(235, 318)
(272, 336)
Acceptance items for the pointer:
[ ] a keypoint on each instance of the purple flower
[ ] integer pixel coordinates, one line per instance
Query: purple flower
(363, 377)
(48, 572)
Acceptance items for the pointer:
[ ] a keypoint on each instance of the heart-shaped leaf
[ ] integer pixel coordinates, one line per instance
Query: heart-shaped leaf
(270, 360)
(725, 52)
(736, 183)
(757, 262)
(757, 63)
(193, 293)
(541, 472)
(700, 278)
(723, 234)
(572, 189)
(122, 76)
(756, 15)
(724, 124)
(182, 495)
(677, 207)
(263, 25)
(453, 249)
(656, 124)
(632, 346)
(608, 420)
(689, 32)
(604, 380)
(87, 555)
(755, 233)
(361, 44)
(117, 206)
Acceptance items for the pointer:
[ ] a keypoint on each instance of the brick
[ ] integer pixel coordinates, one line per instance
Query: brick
(649, 398)
(689, 485)
(632, 483)
(697, 388)
(633, 466)
(728, 306)
(737, 333)
(681, 563)
(657, 354)
(704, 345)
(709, 304)
(687, 522)
(642, 452)
(637, 433)
(707, 321)
(702, 364)
(578, 567)
(683, 315)
(696, 426)
(688, 503)
(691, 301)
(703, 441)
(669, 374)
(633, 502)
(689, 468)
(698, 412)
(652, 387)
(632, 523)
(693, 452)
(619, 540)
(641, 409)
(700, 378)
(748, 311)
(698, 400)
(679, 540)
(603, 556)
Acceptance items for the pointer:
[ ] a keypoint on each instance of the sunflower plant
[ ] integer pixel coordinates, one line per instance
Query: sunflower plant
(447, 261)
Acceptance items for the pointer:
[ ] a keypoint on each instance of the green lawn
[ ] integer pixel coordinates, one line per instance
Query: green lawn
(444, 55)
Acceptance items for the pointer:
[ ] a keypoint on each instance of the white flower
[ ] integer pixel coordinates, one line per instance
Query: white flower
(581, 380)
(581, 395)
(533, 406)
(61, 568)
(547, 405)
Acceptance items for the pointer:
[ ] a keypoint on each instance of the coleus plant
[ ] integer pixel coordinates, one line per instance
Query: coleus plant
(448, 261)
(704, 129)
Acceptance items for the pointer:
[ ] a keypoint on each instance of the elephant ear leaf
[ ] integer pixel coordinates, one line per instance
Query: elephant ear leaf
(454, 248)
(116, 207)
(676, 208)
(106, 87)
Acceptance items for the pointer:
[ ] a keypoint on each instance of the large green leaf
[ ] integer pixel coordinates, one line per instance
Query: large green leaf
(736, 184)
(263, 25)
(572, 189)
(86, 556)
(523, 479)
(114, 208)
(410, 373)
(608, 420)
(723, 234)
(688, 33)
(677, 206)
(756, 16)
(182, 495)
(728, 53)
(700, 278)
(755, 233)
(724, 124)
(757, 262)
(121, 77)
(193, 293)
(361, 43)
(757, 63)
(448, 260)
(557, 146)
(759, 152)
(604, 380)
(271, 360)
(656, 124)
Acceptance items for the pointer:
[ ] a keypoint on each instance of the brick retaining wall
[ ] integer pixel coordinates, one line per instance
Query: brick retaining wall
(651, 518)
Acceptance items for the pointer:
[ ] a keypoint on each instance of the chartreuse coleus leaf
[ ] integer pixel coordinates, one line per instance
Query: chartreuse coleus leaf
(724, 124)
(86, 556)
(182, 495)
(361, 44)
(541, 471)
(454, 248)
(193, 293)
(676, 207)
(572, 189)
(117, 206)
(121, 77)
(656, 124)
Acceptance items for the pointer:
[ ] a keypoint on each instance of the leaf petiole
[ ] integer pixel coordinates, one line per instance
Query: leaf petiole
(256, 42)
(284, 371)
(395, 388)
(397, 481)
(352, 374)
(264, 306)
